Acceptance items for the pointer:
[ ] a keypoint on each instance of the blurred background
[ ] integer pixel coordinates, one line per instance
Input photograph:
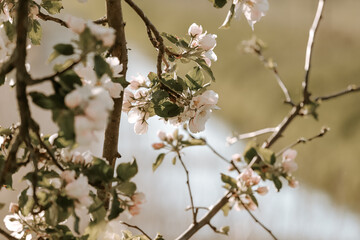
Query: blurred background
(325, 206)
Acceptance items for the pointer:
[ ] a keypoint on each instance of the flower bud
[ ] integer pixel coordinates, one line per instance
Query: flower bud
(14, 207)
(262, 190)
(293, 183)
(195, 30)
(236, 157)
(158, 146)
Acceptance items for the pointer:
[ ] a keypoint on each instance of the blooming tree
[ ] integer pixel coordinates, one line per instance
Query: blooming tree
(76, 195)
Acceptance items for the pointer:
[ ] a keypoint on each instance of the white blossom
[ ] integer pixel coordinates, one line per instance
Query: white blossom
(253, 10)
(288, 162)
(77, 25)
(207, 41)
(195, 30)
(79, 190)
(104, 34)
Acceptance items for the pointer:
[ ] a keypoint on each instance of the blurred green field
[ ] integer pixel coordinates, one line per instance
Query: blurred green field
(250, 98)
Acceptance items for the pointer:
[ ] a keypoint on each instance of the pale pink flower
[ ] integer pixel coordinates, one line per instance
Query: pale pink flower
(161, 135)
(262, 190)
(104, 34)
(14, 207)
(195, 30)
(293, 183)
(158, 146)
(141, 127)
(137, 82)
(115, 65)
(134, 210)
(207, 41)
(236, 157)
(68, 176)
(197, 123)
(77, 25)
(288, 162)
(73, 99)
(79, 190)
(113, 88)
(248, 178)
(253, 10)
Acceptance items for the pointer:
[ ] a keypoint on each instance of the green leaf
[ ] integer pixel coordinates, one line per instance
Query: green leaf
(205, 67)
(35, 31)
(52, 6)
(266, 154)
(126, 171)
(101, 67)
(229, 180)
(2, 205)
(127, 188)
(219, 3)
(65, 120)
(278, 183)
(10, 30)
(159, 237)
(51, 215)
(225, 230)
(64, 49)
(47, 102)
(97, 211)
(158, 161)
(167, 109)
(99, 172)
(250, 151)
(115, 207)
(174, 160)
(254, 199)
(170, 37)
(226, 209)
(69, 80)
(172, 84)
(122, 81)
(158, 96)
(195, 78)
(229, 18)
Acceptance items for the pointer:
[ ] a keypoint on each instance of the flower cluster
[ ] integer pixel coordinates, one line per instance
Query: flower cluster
(77, 188)
(137, 199)
(204, 42)
(93, 106)
(101, 33)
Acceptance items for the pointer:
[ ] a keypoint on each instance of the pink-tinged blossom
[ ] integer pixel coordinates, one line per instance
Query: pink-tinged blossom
(77, 25)
(137, 82)
(137, 198)
(161, 135)
(79, 190)
(68, 176)
(84, 158)
(207, 41)
(203, 106)
(14, 207)
(141, 127)
(195, 30)
(262, 190)
(288, 162)
(104, 34)
(236, 157)
(248, 178)
(293, 183)
(253, 10)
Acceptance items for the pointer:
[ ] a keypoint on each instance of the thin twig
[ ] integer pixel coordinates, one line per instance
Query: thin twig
(222, 157)
(46, 17)
(258, 221)
(304, 140)
(8, 236)
(277, 77)
(350, 89)
(188, 186)
(160, 42)
(135, 227)
(52, 76)
(8, 66)
(101, 21)
(257, 133)
(215, 229)
(309, 48)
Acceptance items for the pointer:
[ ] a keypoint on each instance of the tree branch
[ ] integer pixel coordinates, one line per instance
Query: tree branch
(119, 50)
(189, 188)
(350, 89)
(259, 222)
(309, 48)
(193, 228)
(304, 140)
(46, 17)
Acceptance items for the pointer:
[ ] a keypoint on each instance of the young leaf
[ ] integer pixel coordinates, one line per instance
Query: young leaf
(125, 171)
(205, 67)
(158, 161)
(35, 32)
(64, 49)
(195, 78)
(52, 6)
(115, 207)
(101, 66)
(229, 180)
(278, 183)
